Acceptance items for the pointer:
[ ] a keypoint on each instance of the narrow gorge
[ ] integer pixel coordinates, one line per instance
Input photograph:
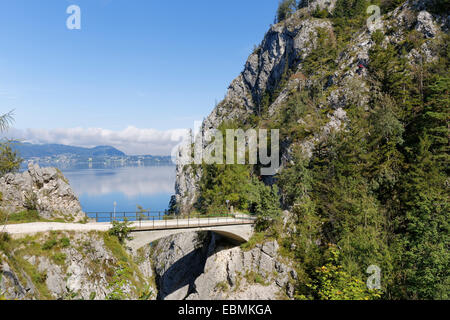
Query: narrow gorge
(346, 98)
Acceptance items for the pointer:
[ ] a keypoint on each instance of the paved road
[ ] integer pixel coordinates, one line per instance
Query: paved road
(36, 227)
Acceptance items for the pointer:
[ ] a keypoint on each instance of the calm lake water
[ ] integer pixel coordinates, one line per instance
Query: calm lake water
(97, 189)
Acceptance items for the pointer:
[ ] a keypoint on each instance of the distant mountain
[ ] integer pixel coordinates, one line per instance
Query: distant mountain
(29, 150)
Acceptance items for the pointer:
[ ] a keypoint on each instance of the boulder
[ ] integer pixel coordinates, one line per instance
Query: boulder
(43, 189)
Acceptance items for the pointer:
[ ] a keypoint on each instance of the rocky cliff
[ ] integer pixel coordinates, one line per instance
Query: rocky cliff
(286, 47)
(205, 266)
(67, 265)
(43, 189)
(191, 266)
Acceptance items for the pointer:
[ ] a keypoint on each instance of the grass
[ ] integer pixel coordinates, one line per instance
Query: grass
(39, 245)
(253, 277)
(222, 286)
(38, 278)
(257, 238)
(59, 258)
(65, 242)
(49, 244)
(131, 271)
(26, 216)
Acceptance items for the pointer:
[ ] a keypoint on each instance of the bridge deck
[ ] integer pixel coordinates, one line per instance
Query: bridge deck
(36, 227)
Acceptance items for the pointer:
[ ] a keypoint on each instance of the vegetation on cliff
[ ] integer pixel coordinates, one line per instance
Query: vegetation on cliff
(375, 190)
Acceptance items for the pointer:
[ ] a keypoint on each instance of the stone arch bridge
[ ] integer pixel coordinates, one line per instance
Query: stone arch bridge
(236, 228)
(236, 233)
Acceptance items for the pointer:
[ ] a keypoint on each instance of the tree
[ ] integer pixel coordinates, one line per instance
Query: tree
(426, 259)
(349, 8)
(9, 159)
(6, 120)
(295, 181)
(221, 182)
(332, 282)
(285, 9)
(435, 119)
(268, 206)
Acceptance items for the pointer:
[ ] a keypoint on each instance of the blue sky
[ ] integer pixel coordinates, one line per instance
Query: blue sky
(142, 64)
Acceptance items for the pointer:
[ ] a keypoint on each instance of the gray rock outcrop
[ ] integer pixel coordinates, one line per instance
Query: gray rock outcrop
(85, 268)
(43, 189)
(204, 266)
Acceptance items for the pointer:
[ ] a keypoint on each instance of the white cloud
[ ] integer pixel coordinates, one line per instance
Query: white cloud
(132, 140)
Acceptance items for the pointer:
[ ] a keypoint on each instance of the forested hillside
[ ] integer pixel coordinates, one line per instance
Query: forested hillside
(363, 115)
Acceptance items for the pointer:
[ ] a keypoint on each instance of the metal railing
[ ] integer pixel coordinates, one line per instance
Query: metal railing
(151, 220)
(129, 215)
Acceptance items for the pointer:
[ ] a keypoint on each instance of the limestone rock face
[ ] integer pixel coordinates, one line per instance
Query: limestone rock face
(285, 47)
(322, 4)
(233, 274)
(10, 285)
(204, 266)
(186, 182)
(43, 189)
(177, 261)
(85, 269)
(425, 24)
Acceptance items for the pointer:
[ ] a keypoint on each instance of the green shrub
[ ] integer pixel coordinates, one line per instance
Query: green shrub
(285, 9)
(65, 242)
(318, 13)
(4, 237)
(222, 286)
(121, 230)
(49, 244)
(39, 277)
(333, 283)
(9, 159)
(30, 202)
(59, 258)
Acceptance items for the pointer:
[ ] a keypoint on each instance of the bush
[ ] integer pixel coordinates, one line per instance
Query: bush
(5, 237)
(9, 159)
(65, 242)
(317, 13)
(59, 258)
(49, 244)
(39, 277)
(31, 200)
(333, 283)
(121, 230)
(285, 9)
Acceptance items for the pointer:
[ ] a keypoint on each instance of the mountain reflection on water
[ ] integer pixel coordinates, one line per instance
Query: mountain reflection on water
(148, 186)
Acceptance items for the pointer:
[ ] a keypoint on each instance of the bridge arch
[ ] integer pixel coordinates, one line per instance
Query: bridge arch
(235, 233)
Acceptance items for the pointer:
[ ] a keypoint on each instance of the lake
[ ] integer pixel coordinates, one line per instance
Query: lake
(97, 189)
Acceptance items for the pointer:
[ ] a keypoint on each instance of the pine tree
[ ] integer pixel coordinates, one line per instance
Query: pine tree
(427, 231)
